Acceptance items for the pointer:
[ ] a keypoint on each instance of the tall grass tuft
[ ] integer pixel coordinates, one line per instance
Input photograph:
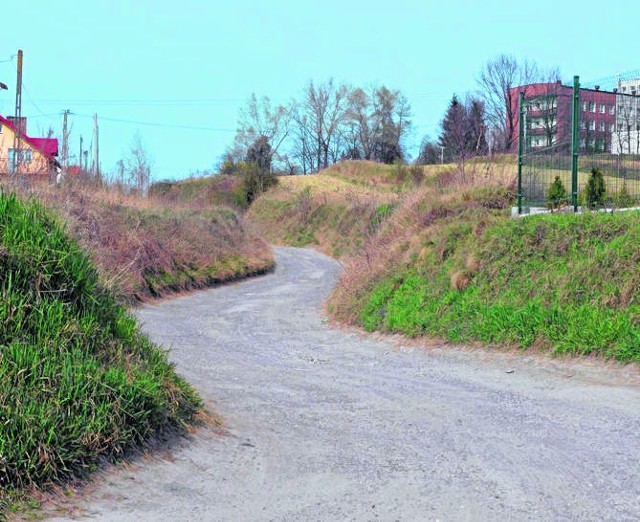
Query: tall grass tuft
(79, 382)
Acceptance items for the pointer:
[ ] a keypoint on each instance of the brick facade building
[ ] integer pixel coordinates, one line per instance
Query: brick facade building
(548, 117)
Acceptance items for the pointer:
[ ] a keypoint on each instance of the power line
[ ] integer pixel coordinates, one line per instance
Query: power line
(167, 102)
(157, 124)
(31, 100)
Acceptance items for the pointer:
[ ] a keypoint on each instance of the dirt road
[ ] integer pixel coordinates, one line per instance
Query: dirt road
(328, 425)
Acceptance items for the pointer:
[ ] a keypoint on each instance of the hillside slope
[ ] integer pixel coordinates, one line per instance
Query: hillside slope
(79, 383)
(148, 247)
(445, 260)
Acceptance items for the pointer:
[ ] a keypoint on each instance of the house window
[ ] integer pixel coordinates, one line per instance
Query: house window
(602, 126)
(24, 156)
(583, 143)
(612, 109)
(592, 125)
(592, 143)
(584, 106)
(601, 145)
(592, 106)
(611, 127)
(603, 108)
(583, 124)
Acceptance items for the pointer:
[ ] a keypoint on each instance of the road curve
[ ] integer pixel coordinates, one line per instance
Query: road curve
(330, 425)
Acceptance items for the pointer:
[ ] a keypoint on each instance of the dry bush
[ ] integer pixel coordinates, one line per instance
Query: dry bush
(460, 280)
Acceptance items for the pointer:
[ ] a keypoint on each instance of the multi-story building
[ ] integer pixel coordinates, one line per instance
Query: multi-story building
(626, 138)
(548, 116)
(34, 156)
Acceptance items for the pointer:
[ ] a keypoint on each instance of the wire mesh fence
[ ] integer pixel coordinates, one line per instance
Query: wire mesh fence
(580, 146)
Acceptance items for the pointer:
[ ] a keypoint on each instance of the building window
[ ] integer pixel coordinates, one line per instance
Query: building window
(583, 143)
(592, 106)
(592, 143)
(24, 156)
(592, 125)
(611, 127)
(584, 106)
(601, 145)
(602, 126)
(583, 124)
(612, 109)
(603, 108)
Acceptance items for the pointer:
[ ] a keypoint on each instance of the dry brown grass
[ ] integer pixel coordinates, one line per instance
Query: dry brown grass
(460, 280)
(148, 246)
(411, 233)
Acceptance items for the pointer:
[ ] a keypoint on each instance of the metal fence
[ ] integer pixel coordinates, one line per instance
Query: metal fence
(579, 147)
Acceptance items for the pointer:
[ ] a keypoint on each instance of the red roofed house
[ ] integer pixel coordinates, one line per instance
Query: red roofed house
(37, 155)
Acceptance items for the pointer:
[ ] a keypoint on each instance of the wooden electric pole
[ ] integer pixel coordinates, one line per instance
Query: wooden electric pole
(96, 155)
(17, 154)
(65, 140)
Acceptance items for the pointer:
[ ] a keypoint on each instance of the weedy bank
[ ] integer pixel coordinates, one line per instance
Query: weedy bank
(446, 261)
(79, 382)
(167, 242)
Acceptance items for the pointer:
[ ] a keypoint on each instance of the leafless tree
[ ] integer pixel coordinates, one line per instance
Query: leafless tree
(377, 122)
(496, 81)
(137, 167)
(318, 117)
(259, 121)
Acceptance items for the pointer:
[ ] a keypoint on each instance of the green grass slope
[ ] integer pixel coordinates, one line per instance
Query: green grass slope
(79, 383)
(567, 283)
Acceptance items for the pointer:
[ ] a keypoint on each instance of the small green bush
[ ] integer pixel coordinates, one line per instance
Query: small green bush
(255, 181)
(595, 189)
(557, 194)
(623, 199)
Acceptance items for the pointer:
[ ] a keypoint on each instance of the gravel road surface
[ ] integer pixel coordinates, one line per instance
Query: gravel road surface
(331, 425)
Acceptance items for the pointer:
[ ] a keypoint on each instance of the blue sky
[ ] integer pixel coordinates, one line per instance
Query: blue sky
(189, 66)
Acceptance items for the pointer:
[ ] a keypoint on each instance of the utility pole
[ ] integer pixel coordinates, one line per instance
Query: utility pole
(65, 140)
(18, 119)
(96, 157)
(80, 155)
(441, 155)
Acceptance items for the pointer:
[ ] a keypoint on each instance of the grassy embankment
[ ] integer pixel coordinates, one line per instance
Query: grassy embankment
(447, 262)
(335, 211)
(185, 236)
(79, 383)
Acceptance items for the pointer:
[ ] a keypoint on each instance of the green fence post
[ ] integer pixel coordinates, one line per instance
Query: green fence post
(520, 148)
(575, 142)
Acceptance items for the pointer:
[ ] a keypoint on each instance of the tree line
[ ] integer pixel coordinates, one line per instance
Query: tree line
(330, 122)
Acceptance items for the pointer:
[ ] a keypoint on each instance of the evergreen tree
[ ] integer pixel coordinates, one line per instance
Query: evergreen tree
(595, 189)
(454, 135)
(260, 153)
(476, 139)
(557, 194)
(463, 132)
